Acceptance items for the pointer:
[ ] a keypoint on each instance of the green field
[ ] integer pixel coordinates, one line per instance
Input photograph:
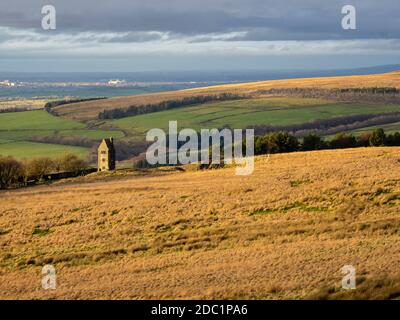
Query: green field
(38, 119)
(243, 113)
(17, 128)
(28, 150)
(389, 128)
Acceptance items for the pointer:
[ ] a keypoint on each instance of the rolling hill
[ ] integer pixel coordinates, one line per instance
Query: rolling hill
(272, 111)
(252, 105)
(89, 110)
(284, 232)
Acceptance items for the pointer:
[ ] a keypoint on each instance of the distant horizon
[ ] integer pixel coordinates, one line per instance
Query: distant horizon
(260, 70)
(216, 75)
(94, 84)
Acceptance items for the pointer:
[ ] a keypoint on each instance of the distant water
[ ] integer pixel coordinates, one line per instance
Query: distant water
(143, 82)
(77, 91)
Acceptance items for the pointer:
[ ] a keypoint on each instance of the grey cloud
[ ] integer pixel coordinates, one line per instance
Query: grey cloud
(139, 37)
(259, 19)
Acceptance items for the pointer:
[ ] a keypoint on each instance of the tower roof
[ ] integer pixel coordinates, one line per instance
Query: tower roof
(109, 142)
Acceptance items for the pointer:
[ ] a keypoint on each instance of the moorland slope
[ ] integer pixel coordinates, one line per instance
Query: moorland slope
(284, 232)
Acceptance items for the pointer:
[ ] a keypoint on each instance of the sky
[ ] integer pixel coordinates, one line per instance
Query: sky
(151, 35)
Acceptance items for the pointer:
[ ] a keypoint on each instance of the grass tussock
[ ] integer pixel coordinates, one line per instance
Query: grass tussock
(380, 288)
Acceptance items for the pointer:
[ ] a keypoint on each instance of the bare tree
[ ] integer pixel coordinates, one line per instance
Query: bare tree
(10, 172)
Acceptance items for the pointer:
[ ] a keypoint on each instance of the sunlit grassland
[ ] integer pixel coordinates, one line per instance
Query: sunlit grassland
(283, 232)
(38, 119)
(20, 127)
(17, 128)
(245, 113)
(28, 150)
(389, 128)
(22, 103)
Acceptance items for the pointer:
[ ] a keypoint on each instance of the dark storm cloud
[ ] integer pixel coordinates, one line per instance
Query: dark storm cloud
(260, 19)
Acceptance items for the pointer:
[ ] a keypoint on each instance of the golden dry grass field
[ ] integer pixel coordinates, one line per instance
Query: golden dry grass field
(32, 104)
(284, 232)
(90, 109)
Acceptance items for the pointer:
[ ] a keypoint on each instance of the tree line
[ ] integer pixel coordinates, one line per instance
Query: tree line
(331, 126)
(367, 94)
(135, 110)
(66, 140)
(15, 173)
(284, 142)
(49, 106)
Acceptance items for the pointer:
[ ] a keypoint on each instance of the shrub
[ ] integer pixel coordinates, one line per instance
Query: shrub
(313, 142)
(377, 138)
(280, 142)
(10, 172)
(142, 164)
(363, 139)
(39, 167)
(69, 163)
(343, 140)
(260, 145)
(393, 139)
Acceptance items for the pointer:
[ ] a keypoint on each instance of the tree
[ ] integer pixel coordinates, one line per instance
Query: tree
(343, 140)
(282, 142)
(363, 139)
(10, 172)
(393, 139)
(313, 142)
(260, 145)
(70, 163)
(39, 167)
(377, 138)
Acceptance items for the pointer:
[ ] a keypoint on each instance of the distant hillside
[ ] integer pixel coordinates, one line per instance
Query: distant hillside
(329, 104)
(90, 110)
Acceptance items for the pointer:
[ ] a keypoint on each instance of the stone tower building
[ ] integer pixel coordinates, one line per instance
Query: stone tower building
(106, 155)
